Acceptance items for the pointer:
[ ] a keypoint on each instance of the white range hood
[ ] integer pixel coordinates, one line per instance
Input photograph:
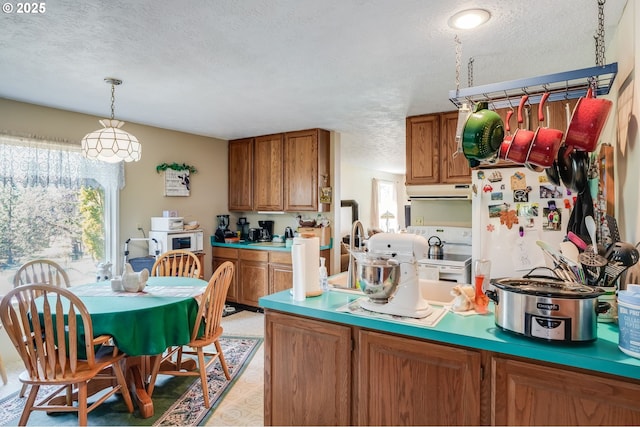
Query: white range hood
(439, 192)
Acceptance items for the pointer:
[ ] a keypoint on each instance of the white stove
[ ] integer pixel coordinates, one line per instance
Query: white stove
(455, 264)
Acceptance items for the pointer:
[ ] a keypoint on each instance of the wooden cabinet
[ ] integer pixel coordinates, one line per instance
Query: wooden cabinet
(257, 272)
(268, 193)
(253, 276)
(219, 256)
(399, 380)
(404, 381)
(280, 271)
(307, 372)
(533, 394)
(430, 146)
(280, 172)
(240, 165)
(306, 169)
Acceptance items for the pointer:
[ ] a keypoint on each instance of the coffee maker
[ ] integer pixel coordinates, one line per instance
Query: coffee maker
(266, 230)
(243, 227)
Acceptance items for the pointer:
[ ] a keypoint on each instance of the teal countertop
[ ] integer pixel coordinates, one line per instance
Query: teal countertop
(264, 246)
(476, 331)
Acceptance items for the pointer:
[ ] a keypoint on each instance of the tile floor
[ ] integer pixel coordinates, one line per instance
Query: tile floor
(242, 406)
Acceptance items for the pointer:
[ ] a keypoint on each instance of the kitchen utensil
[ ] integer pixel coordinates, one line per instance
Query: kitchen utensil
(572, 168)
(527, 125)
(589, 117)
(552, 171)
(378, 278)
(522, 138)
(560, 263)
(506, 142)
(546, 141)
(576, 240)
(612, 224)
(620, 256)
(463, 115)
(436, 248)
(483, 134)
(570, 251)
(547, 308)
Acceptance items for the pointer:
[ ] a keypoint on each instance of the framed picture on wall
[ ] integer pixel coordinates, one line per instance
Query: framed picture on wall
(176, 183)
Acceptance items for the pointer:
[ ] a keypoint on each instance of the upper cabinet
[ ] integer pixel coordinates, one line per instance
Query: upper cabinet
(430, 147)
(285, 174)
(306, 155)
(240, 175)
(268, 194)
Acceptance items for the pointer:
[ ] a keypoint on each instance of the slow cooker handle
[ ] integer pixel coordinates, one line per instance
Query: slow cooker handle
(492, 295)
(536, 276)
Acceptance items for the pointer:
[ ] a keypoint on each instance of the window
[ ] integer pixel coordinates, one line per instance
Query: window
(55, 204)
(386, 204)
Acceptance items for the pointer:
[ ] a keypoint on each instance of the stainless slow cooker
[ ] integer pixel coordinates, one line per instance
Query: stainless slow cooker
(546, 308)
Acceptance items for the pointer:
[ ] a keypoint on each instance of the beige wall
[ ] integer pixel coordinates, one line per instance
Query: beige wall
(142, 196)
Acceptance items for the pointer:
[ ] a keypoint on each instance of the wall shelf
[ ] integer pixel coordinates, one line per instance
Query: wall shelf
(565, 85)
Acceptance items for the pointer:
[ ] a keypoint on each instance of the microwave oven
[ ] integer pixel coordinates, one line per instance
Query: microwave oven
(162, 223)
(169, 240)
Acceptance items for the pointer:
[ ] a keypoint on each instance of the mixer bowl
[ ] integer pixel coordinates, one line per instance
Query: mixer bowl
(378, 278)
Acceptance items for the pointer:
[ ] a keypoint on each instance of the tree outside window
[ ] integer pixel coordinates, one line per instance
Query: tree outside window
(54, 205)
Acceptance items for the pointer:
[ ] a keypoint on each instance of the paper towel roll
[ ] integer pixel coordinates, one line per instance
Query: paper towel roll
(297, 259)
(307, 264)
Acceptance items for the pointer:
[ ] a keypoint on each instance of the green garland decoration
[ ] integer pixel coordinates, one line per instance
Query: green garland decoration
(176, 167)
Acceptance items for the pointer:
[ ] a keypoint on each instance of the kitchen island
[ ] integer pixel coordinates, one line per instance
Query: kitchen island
(328, 367)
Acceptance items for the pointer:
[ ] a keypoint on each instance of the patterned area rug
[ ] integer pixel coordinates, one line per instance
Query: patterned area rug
(178, 401)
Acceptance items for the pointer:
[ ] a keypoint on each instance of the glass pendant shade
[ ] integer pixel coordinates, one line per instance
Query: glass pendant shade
(111, 144)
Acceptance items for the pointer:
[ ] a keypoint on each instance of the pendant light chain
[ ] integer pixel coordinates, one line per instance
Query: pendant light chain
(470, 71)
(458, 62)
(113, 100)
(599, 37)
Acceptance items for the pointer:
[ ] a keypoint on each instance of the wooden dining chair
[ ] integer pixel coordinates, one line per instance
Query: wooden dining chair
(41, 271)
(209, 318)
(50, 361)
(178, 263)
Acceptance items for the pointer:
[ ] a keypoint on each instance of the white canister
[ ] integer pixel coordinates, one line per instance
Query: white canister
(629, 320)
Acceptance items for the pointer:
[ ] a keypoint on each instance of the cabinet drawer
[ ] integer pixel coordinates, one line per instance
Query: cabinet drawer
(224, 252)
(280, 257)
(252, 255)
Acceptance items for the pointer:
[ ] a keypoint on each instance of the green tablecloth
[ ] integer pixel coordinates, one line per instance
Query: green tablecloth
(144, 323)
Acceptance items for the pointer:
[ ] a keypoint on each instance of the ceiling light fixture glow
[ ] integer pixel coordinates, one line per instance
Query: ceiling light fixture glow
(111, 144)
(468, 19)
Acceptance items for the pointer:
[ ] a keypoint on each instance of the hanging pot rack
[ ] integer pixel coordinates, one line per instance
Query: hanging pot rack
(561, 86)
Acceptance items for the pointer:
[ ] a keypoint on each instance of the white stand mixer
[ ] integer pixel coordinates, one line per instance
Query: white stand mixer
(403, 249)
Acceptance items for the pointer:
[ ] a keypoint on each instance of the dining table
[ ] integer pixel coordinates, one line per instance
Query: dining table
(143, 324)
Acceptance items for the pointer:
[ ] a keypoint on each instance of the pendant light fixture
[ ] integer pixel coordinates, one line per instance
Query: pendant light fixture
(111, 144)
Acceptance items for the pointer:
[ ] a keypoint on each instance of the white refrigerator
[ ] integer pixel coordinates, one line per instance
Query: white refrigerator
(513, 208)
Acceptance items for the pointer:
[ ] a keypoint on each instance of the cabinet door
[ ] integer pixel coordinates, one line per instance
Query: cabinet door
(307, 372)
(254, 276)
(268, 192)
(303, 151)
(232, 293)
(280, 271)
(423, 152)
(240, 175)
(404, 381)
(532, 394)
(454, 170)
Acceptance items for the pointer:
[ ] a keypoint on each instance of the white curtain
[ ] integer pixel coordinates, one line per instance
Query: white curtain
(32, 161)
(375, 197)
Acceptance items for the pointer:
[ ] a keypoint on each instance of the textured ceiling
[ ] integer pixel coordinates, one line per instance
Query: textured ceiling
(232, 69)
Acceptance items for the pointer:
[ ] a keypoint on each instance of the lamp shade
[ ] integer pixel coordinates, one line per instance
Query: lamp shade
(387, 215)
(111, 144)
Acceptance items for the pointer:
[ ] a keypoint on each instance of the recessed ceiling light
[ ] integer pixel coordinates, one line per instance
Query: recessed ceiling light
(470, 18)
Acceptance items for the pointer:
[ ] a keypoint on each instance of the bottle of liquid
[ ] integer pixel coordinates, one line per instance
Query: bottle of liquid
(324, 277)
